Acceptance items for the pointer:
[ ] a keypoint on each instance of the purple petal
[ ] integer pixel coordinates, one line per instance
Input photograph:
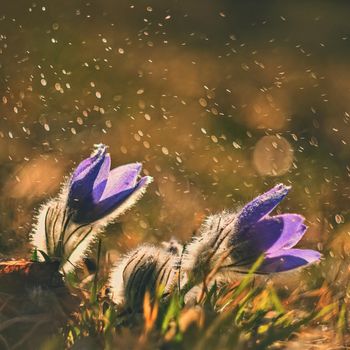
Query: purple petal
(121, 179)
(289, 259)
(85, 164)
(101, 179)
(261, 206)
(293, 231)
(82, 181)
(120, 201)
(88, 163)
(268, 235)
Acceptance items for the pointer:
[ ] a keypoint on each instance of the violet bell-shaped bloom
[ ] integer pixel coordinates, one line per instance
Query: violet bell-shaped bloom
(231, 242)
(256, 233)
(93, 197)
(96, 191)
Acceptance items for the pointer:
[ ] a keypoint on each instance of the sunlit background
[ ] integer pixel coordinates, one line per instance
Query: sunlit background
(219, 100)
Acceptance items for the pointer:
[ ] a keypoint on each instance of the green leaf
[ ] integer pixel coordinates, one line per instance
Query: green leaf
(34, 257)
(171, 313)
(341, 324)
(276, 300)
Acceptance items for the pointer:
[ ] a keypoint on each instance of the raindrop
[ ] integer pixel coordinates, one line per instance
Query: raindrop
(273, 156)
(236, 145)
(339, 219)
(203, 102)
(214, 138)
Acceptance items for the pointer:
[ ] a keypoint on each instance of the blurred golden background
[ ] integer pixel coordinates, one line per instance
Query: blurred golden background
(219, 100)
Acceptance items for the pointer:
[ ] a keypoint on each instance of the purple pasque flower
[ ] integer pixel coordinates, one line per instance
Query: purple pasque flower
(94, 197)
(257, 233)
(95, 191)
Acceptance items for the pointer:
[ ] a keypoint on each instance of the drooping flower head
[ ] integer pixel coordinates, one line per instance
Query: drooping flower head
(233, 241)
(93, 197)
(255, 232)
(147, 268)
(96, 191)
